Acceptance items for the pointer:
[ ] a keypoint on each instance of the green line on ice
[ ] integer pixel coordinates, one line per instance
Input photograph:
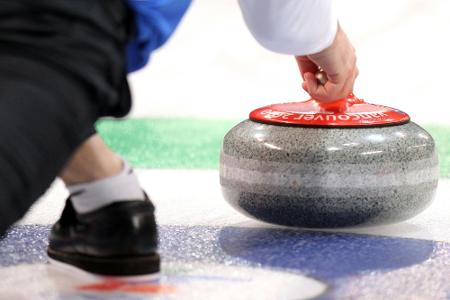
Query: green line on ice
(167, 143)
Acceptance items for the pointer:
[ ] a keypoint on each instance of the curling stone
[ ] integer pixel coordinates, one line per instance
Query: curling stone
(314, 165)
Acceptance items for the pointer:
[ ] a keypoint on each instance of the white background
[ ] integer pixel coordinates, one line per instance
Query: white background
(212, 66)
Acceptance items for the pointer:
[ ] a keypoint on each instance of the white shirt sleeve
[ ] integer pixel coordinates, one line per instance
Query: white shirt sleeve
(295, 27)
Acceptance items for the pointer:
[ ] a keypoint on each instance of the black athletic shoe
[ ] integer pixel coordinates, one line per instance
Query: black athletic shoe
(117, 240)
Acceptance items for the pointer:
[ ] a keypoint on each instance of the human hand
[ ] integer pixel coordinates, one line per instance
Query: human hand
(338, 62)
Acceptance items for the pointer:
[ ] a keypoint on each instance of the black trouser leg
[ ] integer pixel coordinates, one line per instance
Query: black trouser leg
(62, 66)
(43, 118)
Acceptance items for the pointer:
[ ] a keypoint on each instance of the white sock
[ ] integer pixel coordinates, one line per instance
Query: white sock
(87, 197)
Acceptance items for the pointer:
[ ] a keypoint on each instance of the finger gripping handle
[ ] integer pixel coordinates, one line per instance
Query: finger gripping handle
(340, 105)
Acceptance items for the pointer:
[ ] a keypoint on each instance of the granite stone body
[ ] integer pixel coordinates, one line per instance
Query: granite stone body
(328, 177)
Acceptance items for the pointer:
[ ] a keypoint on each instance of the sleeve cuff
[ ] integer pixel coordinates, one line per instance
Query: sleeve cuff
(294, 27)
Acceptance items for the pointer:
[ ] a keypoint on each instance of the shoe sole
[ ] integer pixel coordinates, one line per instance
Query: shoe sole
(112, 266)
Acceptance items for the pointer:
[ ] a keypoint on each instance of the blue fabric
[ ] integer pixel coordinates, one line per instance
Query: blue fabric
(155, 21)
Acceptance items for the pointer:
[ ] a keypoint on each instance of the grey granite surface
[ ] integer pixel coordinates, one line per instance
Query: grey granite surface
(328, 177)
